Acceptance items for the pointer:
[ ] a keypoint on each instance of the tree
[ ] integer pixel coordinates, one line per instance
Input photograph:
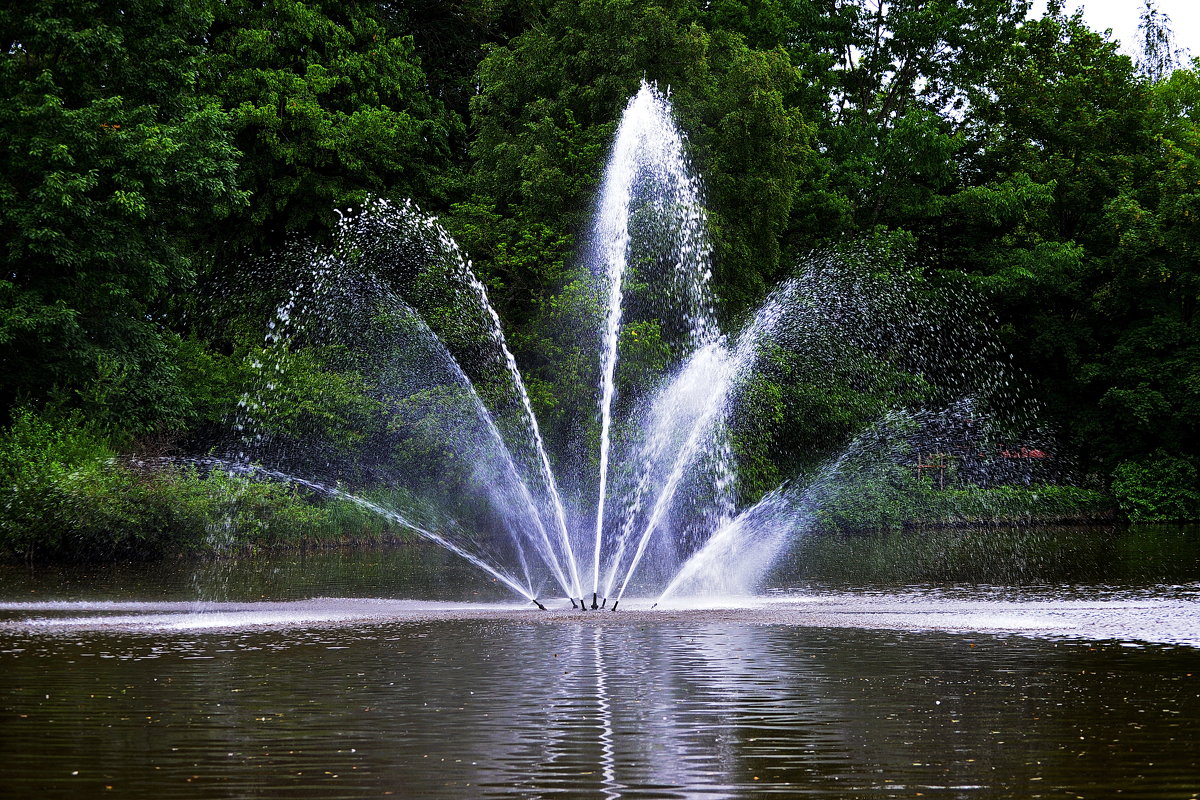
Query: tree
(904, 74)
(1159, 54)
(1079, 226)
(113, 166)
(328, 106)
(548, 106)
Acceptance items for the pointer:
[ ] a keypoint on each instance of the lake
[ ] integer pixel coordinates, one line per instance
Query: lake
(1036, 663)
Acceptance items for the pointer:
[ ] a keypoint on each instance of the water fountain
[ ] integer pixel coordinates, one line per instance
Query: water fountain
(451, 447)
(386, 380)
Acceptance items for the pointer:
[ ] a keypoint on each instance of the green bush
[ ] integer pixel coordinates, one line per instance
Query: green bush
(1159, 488)
(38, 459)
(67, 495)
(888, 497)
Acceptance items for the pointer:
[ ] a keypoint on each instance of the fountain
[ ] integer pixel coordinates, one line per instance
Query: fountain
(449, 446)
(386, 380)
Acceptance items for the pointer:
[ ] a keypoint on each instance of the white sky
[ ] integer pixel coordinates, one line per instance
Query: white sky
(1122, 17)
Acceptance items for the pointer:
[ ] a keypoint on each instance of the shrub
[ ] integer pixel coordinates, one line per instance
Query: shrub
(889, 497)
(1159, 488)
(66, 495)
(37, 460)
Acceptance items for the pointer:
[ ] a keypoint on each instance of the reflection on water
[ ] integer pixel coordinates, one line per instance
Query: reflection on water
(1058, 556)
(471, 708)
(422, 570)
(1025, 557)
(864, 704)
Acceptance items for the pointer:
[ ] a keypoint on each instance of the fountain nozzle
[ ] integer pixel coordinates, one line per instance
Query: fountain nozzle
(654, 606)
(536, 603)
(572, 599)
(614, 608)
(594, 606)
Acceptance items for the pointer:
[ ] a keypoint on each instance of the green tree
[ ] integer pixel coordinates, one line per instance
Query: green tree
(904, 72)
(328, 106)
(548, 106)
(112, 167)
(1078, 224)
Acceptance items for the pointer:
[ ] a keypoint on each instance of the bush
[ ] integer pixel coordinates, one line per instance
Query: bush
(1160, 488)
(889, 497)
(38, 459)
(67, 495)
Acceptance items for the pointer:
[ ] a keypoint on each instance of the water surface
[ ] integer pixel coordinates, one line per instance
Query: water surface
(832, 686)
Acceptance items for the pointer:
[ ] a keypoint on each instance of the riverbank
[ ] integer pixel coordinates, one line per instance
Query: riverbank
(69, 497)
(109, 510)
(101, 508)
(873, 505)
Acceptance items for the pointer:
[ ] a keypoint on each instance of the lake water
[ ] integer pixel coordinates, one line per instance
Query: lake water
(1049, 663)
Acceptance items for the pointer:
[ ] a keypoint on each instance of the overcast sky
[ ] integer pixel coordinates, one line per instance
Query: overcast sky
(1122, 17)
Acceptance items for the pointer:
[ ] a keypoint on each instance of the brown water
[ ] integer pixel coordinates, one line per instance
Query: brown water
(129, 678)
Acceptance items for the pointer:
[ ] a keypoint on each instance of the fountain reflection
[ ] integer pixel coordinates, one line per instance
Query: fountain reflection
(697, 709)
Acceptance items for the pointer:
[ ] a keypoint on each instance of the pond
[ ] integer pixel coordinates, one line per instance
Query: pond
(880, 666)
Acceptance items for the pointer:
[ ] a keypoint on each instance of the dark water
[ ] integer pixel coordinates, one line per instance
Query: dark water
(462, 708)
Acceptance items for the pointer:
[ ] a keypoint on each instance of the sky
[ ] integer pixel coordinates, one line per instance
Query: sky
(1122, 17)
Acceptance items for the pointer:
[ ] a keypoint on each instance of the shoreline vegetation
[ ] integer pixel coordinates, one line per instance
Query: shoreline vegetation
(69, 497)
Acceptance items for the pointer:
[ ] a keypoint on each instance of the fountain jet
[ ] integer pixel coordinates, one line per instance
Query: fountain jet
(481, 481)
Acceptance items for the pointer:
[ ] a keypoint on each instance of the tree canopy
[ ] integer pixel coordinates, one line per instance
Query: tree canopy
(159, 152)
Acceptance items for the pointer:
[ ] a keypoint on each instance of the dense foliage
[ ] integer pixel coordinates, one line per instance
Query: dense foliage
(156, 151)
